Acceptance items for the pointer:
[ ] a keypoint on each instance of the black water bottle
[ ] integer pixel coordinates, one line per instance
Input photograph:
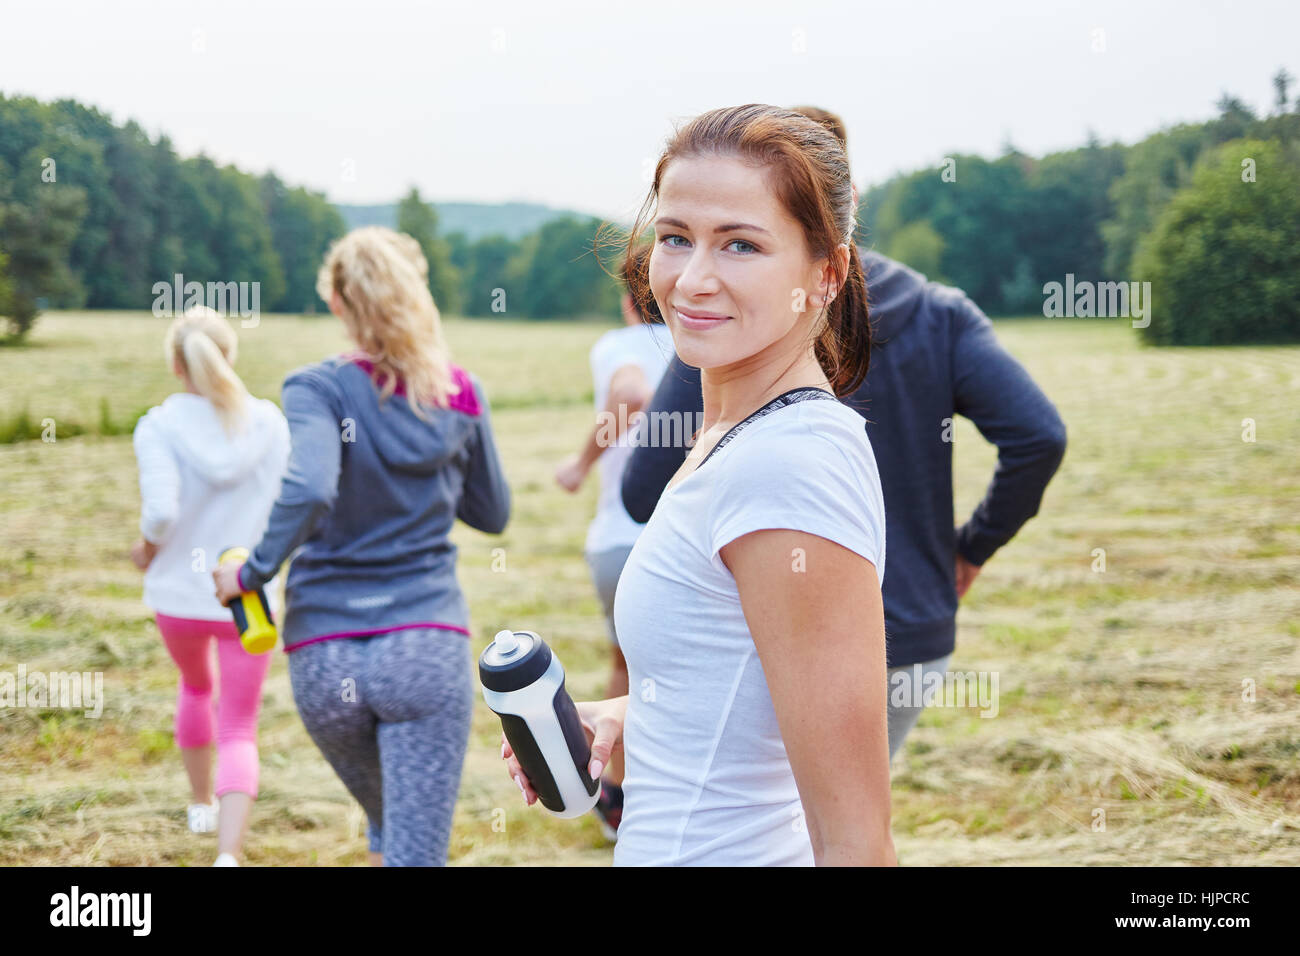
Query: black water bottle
(523, 683)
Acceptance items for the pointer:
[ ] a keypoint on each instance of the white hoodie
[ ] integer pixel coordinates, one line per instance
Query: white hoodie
(203, 492)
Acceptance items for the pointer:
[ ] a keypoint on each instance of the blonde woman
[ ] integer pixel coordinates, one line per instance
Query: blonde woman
(391, 444)
(211, 458)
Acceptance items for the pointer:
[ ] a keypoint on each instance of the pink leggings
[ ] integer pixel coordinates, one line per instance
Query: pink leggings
(190, 644)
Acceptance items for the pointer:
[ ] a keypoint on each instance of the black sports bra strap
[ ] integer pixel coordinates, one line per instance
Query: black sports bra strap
(802, 394)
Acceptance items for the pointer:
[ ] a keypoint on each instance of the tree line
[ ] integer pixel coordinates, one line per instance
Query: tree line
(93, 214)
(1208, 213)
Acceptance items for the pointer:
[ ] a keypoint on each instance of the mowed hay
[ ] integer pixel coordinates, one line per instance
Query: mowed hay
(1147, 713)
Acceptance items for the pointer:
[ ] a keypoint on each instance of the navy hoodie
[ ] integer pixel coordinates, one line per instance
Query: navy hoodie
(934, 355)
(368, 504)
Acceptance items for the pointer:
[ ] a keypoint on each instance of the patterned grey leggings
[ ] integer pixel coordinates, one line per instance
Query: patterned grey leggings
(391, 713)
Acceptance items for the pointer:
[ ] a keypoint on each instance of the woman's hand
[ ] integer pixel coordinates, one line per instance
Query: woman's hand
(143, 552)
(571, 473)
(602, 721)
(226, 578)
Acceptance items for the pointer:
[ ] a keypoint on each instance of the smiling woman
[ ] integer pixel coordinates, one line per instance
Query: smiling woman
(749, 610)
(754, 218)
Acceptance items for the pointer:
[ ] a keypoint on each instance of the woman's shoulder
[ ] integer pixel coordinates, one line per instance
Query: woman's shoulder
(810, 423)
(806, 467)
(808, 439)
(470, 396)
(330, 376)
(266, 410)
(322, 374)
(174, 408)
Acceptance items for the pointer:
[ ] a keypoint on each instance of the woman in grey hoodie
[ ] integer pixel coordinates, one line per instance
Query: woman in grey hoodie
(390, 445)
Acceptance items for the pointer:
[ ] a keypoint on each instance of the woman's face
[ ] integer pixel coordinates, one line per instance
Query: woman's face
(730, 269)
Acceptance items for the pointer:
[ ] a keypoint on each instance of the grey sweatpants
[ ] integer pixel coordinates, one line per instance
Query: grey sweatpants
(903, 719)
(606, 568)
(391, 713)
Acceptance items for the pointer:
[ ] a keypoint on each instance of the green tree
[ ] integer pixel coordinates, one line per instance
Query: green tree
(6, 289)
(41, 211)
(302, 224)
(1282, 81)
(555, 273)
(1154, 170)
(38, 225)
(1068, 200)
(242, 241)
(980, 214)
(919, 246)
(419, 219)
(1224, 258)
(487, 269)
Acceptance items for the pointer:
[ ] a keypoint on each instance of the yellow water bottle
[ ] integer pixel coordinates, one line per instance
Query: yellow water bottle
(252, 613)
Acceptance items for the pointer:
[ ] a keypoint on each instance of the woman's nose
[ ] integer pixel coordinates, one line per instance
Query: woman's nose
(698, 276)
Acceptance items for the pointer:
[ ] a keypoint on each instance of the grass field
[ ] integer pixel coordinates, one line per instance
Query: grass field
(1122, 690)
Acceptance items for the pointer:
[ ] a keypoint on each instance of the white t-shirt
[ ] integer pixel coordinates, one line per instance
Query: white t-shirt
(650, 348)
(708, 780)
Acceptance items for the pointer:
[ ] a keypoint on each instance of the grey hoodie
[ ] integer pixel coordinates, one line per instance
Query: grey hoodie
(371, 494)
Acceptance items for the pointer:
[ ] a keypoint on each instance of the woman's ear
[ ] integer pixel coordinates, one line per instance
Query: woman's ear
(833, 274)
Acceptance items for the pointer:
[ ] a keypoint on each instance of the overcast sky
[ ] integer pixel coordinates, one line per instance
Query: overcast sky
(568, 104)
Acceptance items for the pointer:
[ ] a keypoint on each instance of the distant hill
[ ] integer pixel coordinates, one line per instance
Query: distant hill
(476, 220)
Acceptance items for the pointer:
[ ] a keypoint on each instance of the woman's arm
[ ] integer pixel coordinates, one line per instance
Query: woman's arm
(653, 465)
(628, 394)
(160, 482)
(816, 616)
(310, 483)
(485, 496)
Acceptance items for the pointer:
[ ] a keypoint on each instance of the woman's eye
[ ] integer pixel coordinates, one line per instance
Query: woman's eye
(749, 246)
(668, 241)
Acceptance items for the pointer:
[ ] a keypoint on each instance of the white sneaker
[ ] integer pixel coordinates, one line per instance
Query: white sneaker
(225, 859)
(202, 817)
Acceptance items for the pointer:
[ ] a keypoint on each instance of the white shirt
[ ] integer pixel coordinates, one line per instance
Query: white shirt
(202, 492)
(708, 780)
(650, 348)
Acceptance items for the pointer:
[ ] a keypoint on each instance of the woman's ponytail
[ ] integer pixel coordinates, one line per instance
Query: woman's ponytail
(204, 345)
(844, 346)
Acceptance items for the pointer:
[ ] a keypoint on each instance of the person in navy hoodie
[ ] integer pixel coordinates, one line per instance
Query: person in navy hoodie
(934, 356)
(391, 444)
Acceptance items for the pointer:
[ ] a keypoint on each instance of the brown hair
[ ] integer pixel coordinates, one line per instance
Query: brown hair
(828, 119)
(637, 263)
(809, 171)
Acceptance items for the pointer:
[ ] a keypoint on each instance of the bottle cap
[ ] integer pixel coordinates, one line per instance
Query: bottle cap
(506, 643)
(513, 660)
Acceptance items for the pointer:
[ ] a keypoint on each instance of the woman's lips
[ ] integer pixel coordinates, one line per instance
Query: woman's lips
(701, 320)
